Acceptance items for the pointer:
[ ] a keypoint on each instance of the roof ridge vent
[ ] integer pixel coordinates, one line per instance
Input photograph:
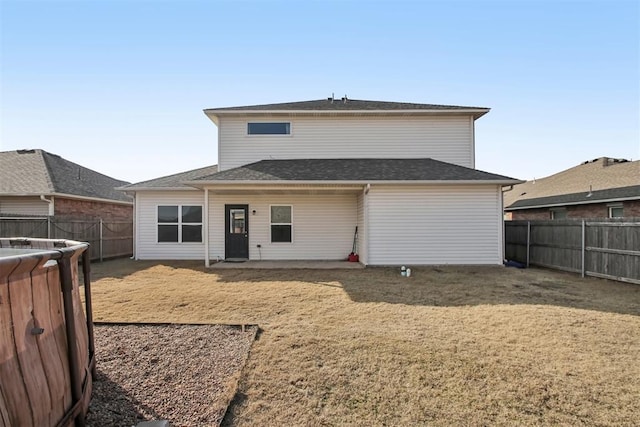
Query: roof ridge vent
(30, 151)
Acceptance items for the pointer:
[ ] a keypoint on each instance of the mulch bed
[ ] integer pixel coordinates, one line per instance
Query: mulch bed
(186, 374)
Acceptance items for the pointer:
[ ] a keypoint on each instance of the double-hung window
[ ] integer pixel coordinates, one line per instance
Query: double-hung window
(180, 224)
(281, 218)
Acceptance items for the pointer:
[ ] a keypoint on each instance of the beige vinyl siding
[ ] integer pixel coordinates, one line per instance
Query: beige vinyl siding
(323, 225)
(26, 205)
(147, 246)
(435, 225)
(442, 137)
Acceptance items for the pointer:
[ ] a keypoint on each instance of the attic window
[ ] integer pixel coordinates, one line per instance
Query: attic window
(263, 128)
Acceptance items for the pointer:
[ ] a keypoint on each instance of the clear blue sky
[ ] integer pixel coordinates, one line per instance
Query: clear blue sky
(119, 86)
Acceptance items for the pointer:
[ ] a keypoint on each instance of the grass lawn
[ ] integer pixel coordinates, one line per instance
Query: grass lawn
(447, 346)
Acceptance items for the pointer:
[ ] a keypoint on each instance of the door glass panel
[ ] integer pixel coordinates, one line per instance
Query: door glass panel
(237, 221)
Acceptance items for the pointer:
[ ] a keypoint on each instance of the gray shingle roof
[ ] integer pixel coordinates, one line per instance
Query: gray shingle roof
(631, 192)
(353, 170)
(603, 173)
(339, 105)
(173, 181)
(36, 172)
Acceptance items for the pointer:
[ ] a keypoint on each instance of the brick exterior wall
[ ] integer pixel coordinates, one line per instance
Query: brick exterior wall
(86, 209)
(631, 209)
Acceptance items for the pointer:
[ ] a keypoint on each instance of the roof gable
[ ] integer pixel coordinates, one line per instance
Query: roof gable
(24, 172)
(35, 172)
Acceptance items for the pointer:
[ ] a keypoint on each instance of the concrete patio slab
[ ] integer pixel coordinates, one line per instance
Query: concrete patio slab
(316, 265)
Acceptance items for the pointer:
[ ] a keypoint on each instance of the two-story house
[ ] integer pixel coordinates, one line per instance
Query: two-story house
(294, 180)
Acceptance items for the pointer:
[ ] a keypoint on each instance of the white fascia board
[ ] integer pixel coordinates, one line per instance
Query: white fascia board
(214, 114)
(585, 202)
(25, 194)
(66, 196)
(133, 190)
(92, 199)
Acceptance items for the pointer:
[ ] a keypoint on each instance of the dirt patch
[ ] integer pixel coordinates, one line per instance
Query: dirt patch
(452, 345)
(183, 373)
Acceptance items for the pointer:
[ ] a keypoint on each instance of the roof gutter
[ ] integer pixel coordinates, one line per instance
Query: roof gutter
(93, 199)
(260, 183)
(134, 189)
(214, 114)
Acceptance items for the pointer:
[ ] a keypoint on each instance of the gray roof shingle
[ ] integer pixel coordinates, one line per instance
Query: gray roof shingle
(353, 170)
(603, 173)
(35, 172)
(339, 105)
(632, 191)
(173, 181)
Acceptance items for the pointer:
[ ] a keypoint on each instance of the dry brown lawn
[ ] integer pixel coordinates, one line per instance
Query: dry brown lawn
(447, 346)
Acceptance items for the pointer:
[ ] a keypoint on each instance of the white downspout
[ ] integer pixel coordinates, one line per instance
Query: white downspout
(502, 224)
(44, 199)
(205, 226)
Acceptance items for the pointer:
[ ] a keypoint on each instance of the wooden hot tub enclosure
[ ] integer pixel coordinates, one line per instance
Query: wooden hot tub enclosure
(46, 341)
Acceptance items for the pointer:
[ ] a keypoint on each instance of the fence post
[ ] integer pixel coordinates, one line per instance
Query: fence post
(101, 224)
(584, 237)
(528, 241)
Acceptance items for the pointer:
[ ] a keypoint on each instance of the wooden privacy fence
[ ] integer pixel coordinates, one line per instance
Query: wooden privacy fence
(47, 358)
(108, 239)
(606, 248)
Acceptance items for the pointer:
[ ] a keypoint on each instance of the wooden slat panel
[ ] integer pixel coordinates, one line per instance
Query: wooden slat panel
(82, 339)
(59, 333)
(49, 351)
(4, 411)
(611, 246)
(13, 389)
(26, 345)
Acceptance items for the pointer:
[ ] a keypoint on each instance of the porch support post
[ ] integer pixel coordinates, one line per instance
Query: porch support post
(205, 227)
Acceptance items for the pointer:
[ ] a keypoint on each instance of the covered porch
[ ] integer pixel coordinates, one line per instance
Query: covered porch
(281, 225)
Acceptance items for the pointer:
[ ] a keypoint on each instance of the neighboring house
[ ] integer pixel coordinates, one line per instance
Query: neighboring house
(38, 183)
(600, 188)
(296, 179)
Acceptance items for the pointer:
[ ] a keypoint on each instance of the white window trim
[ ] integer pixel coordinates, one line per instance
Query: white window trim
(553, 211)
(276, 135)
(614, 206)
(280, 223)
(180, 224)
